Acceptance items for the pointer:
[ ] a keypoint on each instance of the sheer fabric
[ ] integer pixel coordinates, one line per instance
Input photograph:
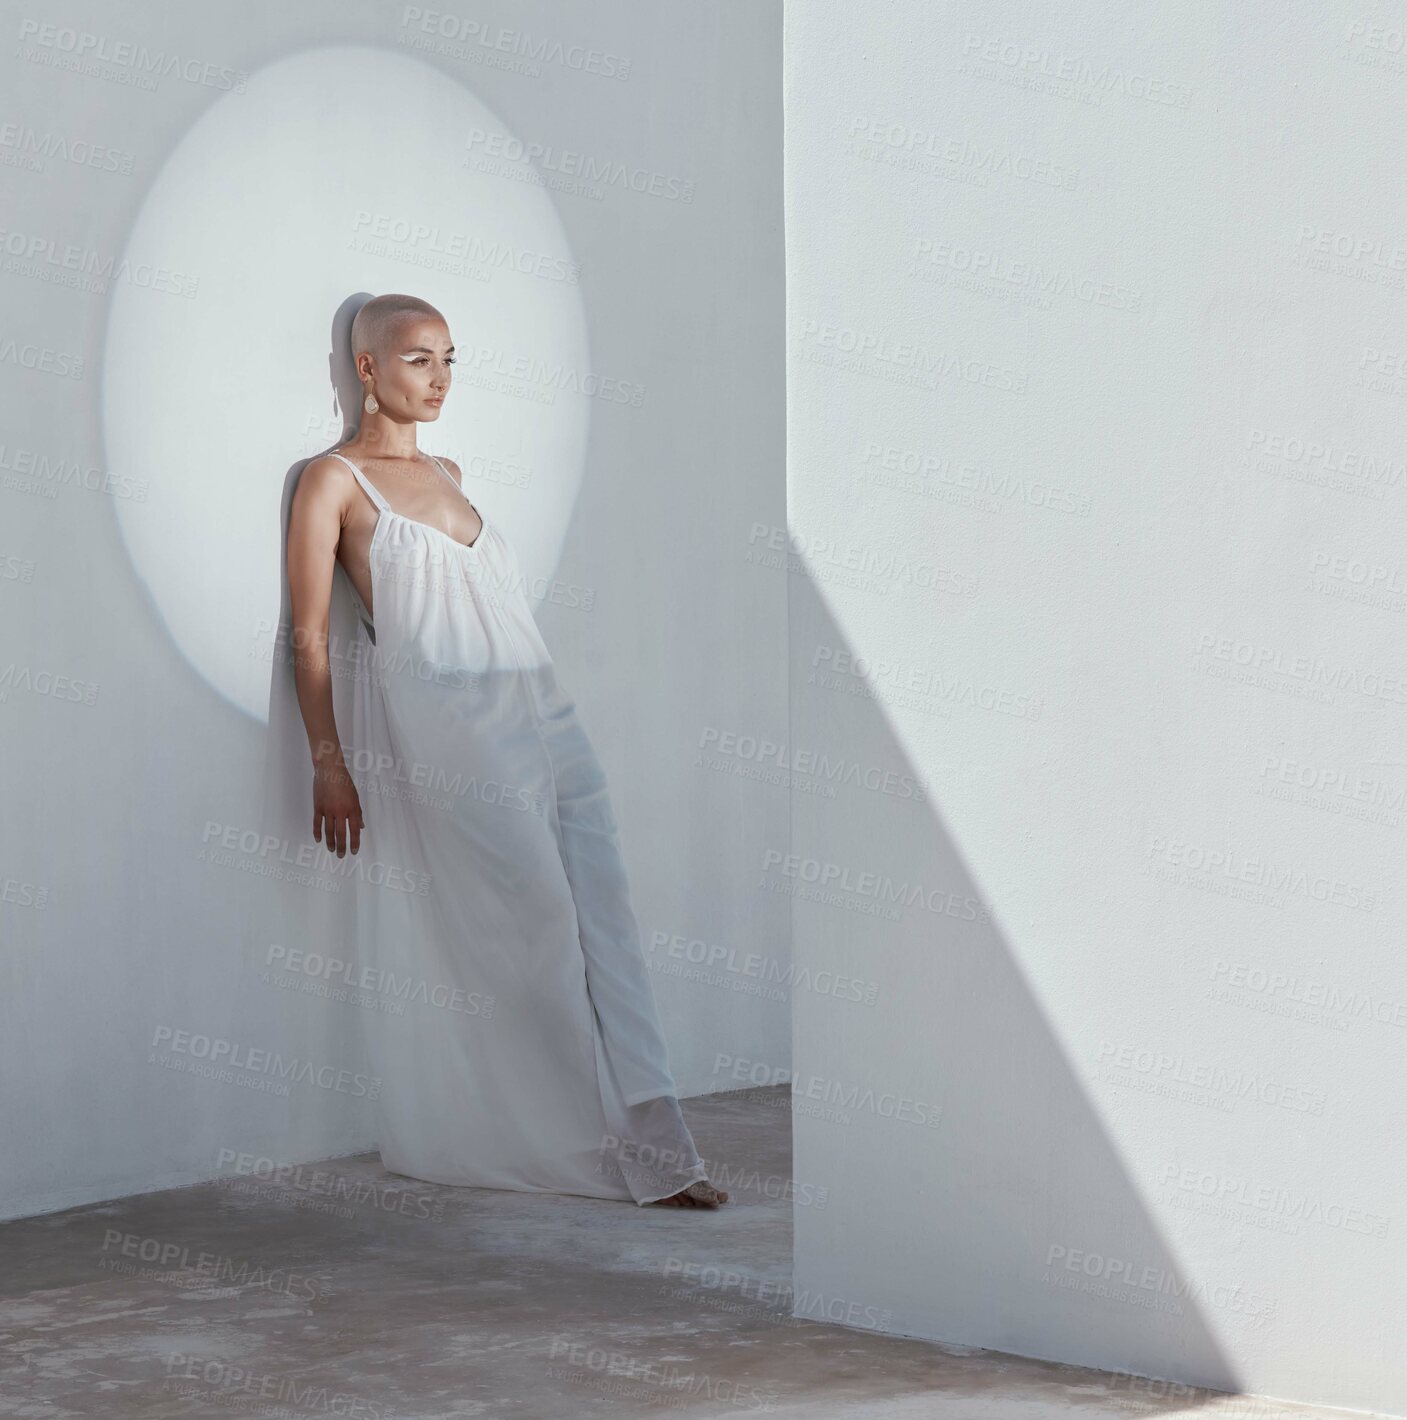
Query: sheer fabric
(515, 1032)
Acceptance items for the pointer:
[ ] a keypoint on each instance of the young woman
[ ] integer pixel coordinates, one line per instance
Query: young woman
(529, 1053)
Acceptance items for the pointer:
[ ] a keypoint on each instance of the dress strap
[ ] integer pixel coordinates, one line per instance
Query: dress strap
(463, 493)
(367, 486)
(449, 476)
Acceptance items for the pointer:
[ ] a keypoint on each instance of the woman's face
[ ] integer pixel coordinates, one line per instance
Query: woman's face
(412, 378)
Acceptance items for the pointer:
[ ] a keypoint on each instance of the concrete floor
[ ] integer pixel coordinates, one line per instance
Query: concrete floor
(389, 1297)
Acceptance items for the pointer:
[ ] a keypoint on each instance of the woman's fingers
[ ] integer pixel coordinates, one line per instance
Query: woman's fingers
(337, 830)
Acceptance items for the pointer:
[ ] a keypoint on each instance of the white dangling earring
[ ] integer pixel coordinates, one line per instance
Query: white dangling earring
(369, 403)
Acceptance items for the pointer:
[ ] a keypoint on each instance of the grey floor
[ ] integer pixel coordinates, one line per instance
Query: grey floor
(350, 1292)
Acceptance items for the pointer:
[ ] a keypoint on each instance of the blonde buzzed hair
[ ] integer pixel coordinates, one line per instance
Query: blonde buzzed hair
(376, 323)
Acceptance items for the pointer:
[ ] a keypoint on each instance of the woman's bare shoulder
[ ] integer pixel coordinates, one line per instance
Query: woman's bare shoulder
(325, 496)
(327, 466)
(452, 469)
(325, 477)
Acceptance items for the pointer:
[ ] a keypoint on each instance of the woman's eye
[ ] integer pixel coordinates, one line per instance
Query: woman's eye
(451, 361)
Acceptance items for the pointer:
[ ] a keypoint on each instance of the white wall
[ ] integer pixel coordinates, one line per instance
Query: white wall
(1095, 341)
(148, 434)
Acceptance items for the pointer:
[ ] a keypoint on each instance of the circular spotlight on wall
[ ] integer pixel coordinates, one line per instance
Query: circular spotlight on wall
(339, 171)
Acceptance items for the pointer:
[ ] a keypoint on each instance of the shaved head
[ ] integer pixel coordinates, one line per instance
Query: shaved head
(376, 325)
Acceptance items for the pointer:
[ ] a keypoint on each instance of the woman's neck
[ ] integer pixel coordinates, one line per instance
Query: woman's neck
(383, 439)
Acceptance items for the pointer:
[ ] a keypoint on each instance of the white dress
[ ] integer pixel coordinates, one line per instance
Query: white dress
(530, 1055)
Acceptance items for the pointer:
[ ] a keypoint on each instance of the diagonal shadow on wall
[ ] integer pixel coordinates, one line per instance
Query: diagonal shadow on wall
(1014, 1221)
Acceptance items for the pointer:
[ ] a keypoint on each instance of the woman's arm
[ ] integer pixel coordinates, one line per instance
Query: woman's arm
(314, 529)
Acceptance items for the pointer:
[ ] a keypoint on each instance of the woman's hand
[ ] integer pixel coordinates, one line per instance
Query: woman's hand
(337, 811)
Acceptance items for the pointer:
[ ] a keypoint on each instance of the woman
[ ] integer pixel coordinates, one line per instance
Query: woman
(533, 1057)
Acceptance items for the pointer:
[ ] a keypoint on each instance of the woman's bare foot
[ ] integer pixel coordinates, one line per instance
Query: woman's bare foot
(698, 1195)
